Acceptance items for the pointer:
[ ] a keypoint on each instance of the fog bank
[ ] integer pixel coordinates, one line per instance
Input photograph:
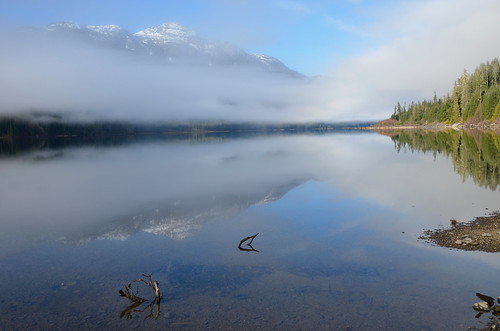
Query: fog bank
(84, 82)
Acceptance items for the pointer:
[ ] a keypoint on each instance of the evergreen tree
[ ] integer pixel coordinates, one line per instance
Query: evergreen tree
(475, 97)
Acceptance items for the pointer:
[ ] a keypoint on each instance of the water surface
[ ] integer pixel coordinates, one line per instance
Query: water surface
(338, 217)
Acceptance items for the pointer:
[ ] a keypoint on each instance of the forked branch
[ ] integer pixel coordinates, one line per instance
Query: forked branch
(138, 301)
(251, 249)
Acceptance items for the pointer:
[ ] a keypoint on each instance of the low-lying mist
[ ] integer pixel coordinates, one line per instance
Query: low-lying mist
(84, 82)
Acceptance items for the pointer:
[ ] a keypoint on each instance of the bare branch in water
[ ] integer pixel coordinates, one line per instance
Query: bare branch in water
(131, 296)
(138, 301)
(251, 249)
(152, 284)
(130, 309)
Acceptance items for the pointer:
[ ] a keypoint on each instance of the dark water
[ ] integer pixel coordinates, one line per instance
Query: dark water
(338, 217)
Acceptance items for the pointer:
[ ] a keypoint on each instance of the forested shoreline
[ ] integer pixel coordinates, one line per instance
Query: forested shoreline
(13, 127)
(19, 134)
(475, 100)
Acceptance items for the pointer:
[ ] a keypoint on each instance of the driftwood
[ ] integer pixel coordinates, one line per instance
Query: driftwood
(251, 249)
(138, 301)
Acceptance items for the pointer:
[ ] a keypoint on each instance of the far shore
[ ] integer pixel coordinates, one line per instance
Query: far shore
(393, 125)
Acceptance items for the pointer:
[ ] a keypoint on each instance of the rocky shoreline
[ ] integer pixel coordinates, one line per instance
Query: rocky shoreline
(482, 234)
(394, 125)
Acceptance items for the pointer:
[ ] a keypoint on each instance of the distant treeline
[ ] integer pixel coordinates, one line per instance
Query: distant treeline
(475, 98)
(21, 135)
(19, 127)
(474, 154)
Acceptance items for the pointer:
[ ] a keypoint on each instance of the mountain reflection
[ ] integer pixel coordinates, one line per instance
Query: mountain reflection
(179, 218)
(79, 193)
(475, 154)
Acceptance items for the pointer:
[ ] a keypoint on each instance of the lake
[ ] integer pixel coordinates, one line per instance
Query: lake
(338, 217)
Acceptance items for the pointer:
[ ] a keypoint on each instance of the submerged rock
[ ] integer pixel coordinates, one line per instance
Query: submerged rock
(481, 306)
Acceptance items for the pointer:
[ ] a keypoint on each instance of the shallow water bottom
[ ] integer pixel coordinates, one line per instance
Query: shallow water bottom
(390, 286)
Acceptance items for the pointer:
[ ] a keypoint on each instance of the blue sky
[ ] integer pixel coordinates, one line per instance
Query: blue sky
(306, 35)
(369, 53)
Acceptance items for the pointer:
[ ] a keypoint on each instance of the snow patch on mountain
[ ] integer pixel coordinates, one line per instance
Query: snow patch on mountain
(109, 30)
(166, 33)
(266, 59)
(64, 25)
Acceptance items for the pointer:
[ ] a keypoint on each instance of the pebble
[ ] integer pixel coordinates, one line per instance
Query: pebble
(458, 242)
(486, 234)
(482, 306)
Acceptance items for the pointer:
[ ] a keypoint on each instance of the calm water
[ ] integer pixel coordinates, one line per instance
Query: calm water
(338, 217)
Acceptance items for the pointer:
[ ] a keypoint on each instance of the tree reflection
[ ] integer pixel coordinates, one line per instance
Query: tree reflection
(474, 153)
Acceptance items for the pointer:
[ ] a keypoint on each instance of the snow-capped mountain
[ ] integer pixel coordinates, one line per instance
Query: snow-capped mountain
(169, 43)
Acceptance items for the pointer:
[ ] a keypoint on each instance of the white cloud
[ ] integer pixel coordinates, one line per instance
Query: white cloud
(425, 47)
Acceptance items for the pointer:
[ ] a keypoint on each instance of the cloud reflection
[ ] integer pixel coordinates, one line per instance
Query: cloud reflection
(172, 189)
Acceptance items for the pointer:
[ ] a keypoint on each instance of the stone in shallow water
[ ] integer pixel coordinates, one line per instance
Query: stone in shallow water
(481, 306)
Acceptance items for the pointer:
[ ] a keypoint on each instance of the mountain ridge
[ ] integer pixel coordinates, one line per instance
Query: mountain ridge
(171, 43)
